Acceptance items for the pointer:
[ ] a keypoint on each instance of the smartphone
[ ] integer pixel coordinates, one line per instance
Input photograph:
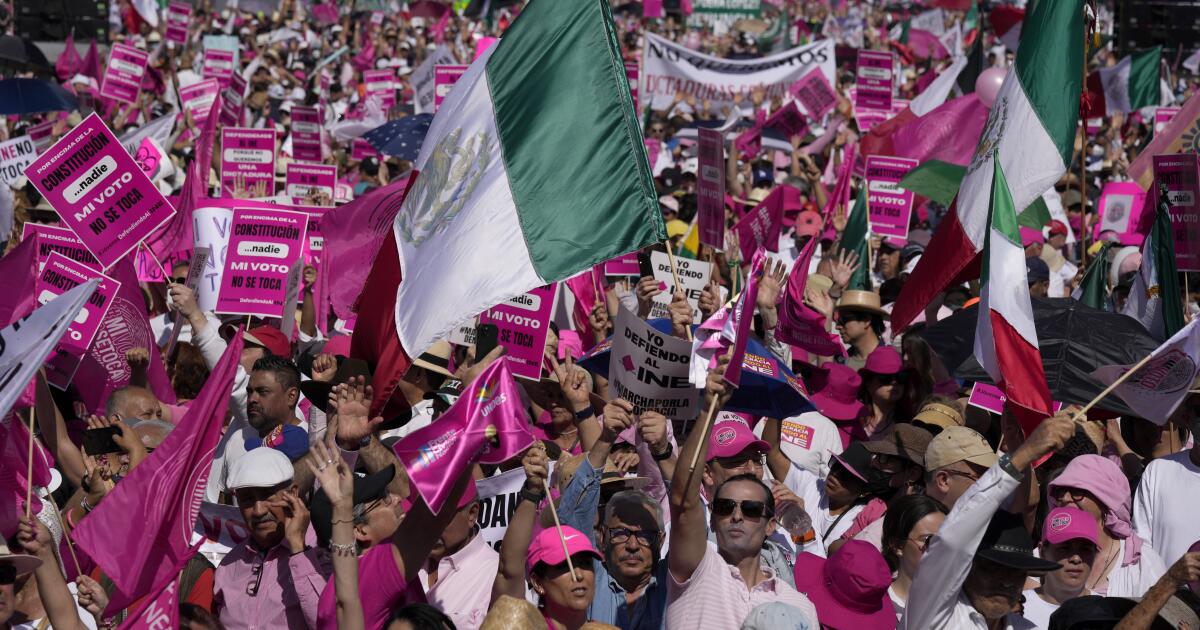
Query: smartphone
(100, 441)
(485, 340)
(645, 267)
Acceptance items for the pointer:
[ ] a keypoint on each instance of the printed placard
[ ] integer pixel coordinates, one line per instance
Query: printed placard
(43, 135)
(1163, 115)
(874, 79)
(650, 369)
(178, 15)
(1181, 175)
(314, 244)
(59, 275)
(623, 265)
(444, 78)
(52, 239)
(15, 155)
(381, 82)
(867, 118)
(304, 180)
(218, 64)
(710, 189)
(801, 435)
(889, 207)
(361, 149)
(1121, 206)
(788, 121)
(991, 398)
(152, 159)
(263, 245)
(233, 101)
(198, 98)
(693, 277)
(99, 191)
(196, 267)
(524, 322)
(123, 76)
(815, 94)
(248, 161)
(306, 134)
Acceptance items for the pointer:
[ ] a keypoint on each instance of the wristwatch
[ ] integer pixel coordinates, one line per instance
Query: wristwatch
(1006, 465)
(665, 455)
(532, 497)
(580, 416)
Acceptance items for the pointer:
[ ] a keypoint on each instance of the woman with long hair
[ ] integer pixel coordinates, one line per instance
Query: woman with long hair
(909, 525)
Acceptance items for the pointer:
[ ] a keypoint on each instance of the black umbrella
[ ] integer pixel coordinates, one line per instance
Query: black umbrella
(1074, 340)
(21, 55)
(32, 96)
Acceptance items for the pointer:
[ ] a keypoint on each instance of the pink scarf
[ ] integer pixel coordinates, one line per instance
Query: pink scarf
(1108, 484)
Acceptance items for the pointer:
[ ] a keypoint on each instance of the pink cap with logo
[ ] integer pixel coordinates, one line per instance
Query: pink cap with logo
(732, 435)
(547, 548)
(1067, 523)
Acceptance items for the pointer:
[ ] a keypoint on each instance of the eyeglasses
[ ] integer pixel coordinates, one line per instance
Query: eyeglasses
(750, 509)
(887, 463)
(8, 574)
(182, 280)
(923, 542)
(620, 535)
(739, 461)
(1065, 494)
(958, 473)
(256, 572)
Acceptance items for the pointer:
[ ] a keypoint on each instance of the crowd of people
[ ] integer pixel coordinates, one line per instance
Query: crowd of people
(891, 500)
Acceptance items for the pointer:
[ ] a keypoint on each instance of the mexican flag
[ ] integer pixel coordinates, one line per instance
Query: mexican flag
(1128, 86)
(1006, 343)
(1008, 21)
(1030, 131)
(856, 238)
(532, 170)
(1154, 299)
(1093, 290)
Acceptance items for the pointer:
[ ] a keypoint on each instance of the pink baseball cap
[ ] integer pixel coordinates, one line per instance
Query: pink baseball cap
(546, 547)
(732, 436)
(1067, 523)
(809, 223)
(1029, 236)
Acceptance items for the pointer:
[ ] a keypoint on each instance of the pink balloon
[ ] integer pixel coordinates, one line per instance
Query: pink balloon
(987, 86)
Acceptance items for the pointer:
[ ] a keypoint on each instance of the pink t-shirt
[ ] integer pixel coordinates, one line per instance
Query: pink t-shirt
(716, 596)
(387, 590)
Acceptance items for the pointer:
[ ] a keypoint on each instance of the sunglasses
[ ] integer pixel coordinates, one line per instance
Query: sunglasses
(844, 318)
(8, 574)
(256, 572)
(180, 280)
(750, 509)
(923, 542)
(891, 379)
(620, 535)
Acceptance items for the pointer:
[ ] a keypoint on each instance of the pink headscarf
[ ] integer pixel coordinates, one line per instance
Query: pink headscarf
(1101, 477)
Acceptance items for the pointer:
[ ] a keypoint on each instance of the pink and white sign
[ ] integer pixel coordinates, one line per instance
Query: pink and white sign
(1121, 206)
(179, 14)
(710, 188)
(315, 243)
(123, 77)
(233, 101)
(1181, 174)
(623, 265)
(305, 180)
(152, 159)
(42, 134)
(381, 82)
(889, 207)
(218, 64)
(99, 191)
(248, 161)
(991, 398)
(1163, 115)
(874, 80)
(361, 149)
(198, 98)
(444, 78)
(306, 134)
(815, 93)
(867, 118)
(263, 245)
(52, 239)
(524, 322)
(788, 121)
(59, 275)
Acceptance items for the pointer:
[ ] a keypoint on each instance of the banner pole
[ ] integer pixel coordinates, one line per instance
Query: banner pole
(166, 275)
(675, 276)
(1108, 390)
(29, 468)
(558, 526)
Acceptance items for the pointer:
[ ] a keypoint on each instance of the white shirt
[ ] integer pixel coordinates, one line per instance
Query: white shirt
(827, 527)
(1163, 513)
(1135, 579)
(1037, 610)
(809, 440)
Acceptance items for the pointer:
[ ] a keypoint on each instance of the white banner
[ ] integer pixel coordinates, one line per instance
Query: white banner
(1157, 388)
(210, 228)
(159, 129)
(693, 277)
(26, 343)
(668, 68)
(422, 79)
(498, 501)
(650, 369)
(15, 155)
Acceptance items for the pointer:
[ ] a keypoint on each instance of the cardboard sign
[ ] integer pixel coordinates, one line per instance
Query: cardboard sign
(631, 75)
(1181, 174)
(1121, 206)
(123, 76)
(178, 15)
(248, 160)
(43, 135)
(361, 149)
(498, 499)
(223, 527)
(196, 266)
(233, 101)
(524, 322)
(99, 191)
(444, 78)
(263, 245)
(693, 277)
(218, 64)
(815, 94)
(15, 155)
(153, 161)
(889, 207)
(198, 98)
(874, 79)
(991, 398)
(867, 118)
(422, 79)
(1163, 115)
(650, 369)
(52, 239)
(306, 134)
(710, 189)
(788, 121)
(210, 230)
(381, 82)
(623, 265)
(315, 243)
(304, 180)
(59, 275)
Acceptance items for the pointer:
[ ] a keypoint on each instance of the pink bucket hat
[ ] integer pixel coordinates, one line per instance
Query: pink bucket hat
(883, 360)
(547, 548)
(838, 400)
(850, 589)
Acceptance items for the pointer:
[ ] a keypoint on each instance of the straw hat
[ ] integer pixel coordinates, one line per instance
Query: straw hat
(22, 562)
(858, 300)
(510, 613)
(436, 358)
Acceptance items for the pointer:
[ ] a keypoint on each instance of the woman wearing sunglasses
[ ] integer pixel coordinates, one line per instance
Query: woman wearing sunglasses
(883, 385)
(909, 525)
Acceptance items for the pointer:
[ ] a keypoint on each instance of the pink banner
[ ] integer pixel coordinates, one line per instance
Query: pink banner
(263, 245)
(123, 77)
(815, 93)
(381, 82)
(760, 228)
(233, 102)
(874, 80)
(59, 275)
(57, 239)
(524, 322)
(1121, 206)
(1163, 115)
(306, 134)
(361, 149)
(99, 191)
(741, 316)
(624, 265)
(1181, 175)
(179, 14)
(248, 161)
(304, 180)
(218, 64)
(889, 207)
(991, 398)
(444, 78)
(788, 121)
(198, 99)
(631, 75)
(710, 189)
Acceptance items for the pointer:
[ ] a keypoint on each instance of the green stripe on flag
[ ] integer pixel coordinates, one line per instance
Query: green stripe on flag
(1002, 216)
(936, 180)
(1144, 78)
(1093, 290)
(1036, 216)
(571, 145)
(855, 238)
(1050, 68)
(1161, 245)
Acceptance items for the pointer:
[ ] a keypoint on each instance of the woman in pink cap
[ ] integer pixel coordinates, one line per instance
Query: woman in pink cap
(849, 589)
(883, 384)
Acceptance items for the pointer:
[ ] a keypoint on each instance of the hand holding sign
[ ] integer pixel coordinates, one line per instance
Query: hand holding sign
(652, 426)
(681, 315)
(618, 416)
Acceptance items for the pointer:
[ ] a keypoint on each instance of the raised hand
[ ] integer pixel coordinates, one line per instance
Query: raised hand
(351, 401)
(337, 482)
(324, 367)
(572, 380)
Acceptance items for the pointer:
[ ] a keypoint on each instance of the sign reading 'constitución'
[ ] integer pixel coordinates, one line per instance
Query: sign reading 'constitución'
(263, 246)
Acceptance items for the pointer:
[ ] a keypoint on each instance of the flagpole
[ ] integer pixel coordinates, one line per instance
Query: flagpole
(29, 468)
(1083, 254)
(1108, 390)
(675, 276)
(66, 535)
(558, 526)
(166, 275)
(708, 416)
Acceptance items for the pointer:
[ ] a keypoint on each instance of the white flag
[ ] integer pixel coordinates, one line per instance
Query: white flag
(159, 129)
(1157, 388)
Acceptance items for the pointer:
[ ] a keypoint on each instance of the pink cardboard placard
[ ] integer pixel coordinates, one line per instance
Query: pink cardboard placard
(1121, 206)
(248, 155)
(1163, 115)
(52, 239)
(789, 121)
(123, 76)
(524, 322)
(361, 149)
(178, 15)
(710, 189)
(381, 82)
(218, 64)
(59, 275)
(1181, 174)
(198, 99)
(305, 179)
(874, 79)
(623, 265)
(444, 78)
(263, 245)
(233, 102)
(99, 191)
(889, 207)
(306, 134)
(815, 93)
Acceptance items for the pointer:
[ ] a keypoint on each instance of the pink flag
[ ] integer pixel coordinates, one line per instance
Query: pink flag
(948, 133)
(175, 236)
(160, 499)
(799, 324)
(728, 328)
(68, 63)
(325, 12)
(91, 63)
(14, 466)
(437, 455)
(761, 226)
(583, 287)
(439, 28)
(17, 281)
(162, 609)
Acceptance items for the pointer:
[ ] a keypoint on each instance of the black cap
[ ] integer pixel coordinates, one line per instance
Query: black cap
(1007, 543)
(366, 489)
(1093, 611)
(1036, 269)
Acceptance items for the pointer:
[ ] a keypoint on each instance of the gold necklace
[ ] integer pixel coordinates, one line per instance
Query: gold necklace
(1107, 565)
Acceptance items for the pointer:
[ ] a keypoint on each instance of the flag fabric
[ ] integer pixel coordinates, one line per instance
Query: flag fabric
(15, 479)
(375, 339)
(162, 610)
(91, 63)
(690, 247)
(932, 97)
(1130, 85)
(727, 331)
(161, 497)
(1157, 388)
(1181, 135)
(485, 219)
(965, 82)
(761, 226)
(176, 235)
(583, 287)
(1031, 130)
(437, 455)
(799, 324)
(947, 132)
(1154, 299)
(18, 282)
(1007, 21)
(1006, 342)
(1093, 289)
(856, 238)
(69, 61)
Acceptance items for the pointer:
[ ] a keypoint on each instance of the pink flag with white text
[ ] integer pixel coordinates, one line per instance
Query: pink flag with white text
(14, 466)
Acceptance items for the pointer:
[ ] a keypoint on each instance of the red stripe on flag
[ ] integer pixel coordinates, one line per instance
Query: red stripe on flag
(1024, 380)
(949, 258)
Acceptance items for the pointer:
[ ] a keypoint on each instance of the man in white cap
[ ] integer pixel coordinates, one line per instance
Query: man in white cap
(271, 579)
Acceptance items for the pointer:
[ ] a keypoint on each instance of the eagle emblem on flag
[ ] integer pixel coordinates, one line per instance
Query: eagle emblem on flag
(445, 183)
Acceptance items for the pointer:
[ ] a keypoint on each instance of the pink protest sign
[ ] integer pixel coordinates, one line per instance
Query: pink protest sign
(123, 77)
(315, 243)
(867, 118)
(990, 398)
(198, 99)
(788, 121)
(444, 78)
(232, 101)
(623, 265)
(248, 161)
(652, 8)
(1163, 115)
(815, 93)
(42, 135)
(304, 181)
(1181, 174)
(218, 64)
(1121, 206)
(178, 16)
(147, 267)
(99, 191)
(306, 134)
(263, 245)
(631, 75)
(874, 80)
(889, 207)
(52, 239)
(381, 82)
(710, 188)
(59, 275)
(361, 149)
(523, 322)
